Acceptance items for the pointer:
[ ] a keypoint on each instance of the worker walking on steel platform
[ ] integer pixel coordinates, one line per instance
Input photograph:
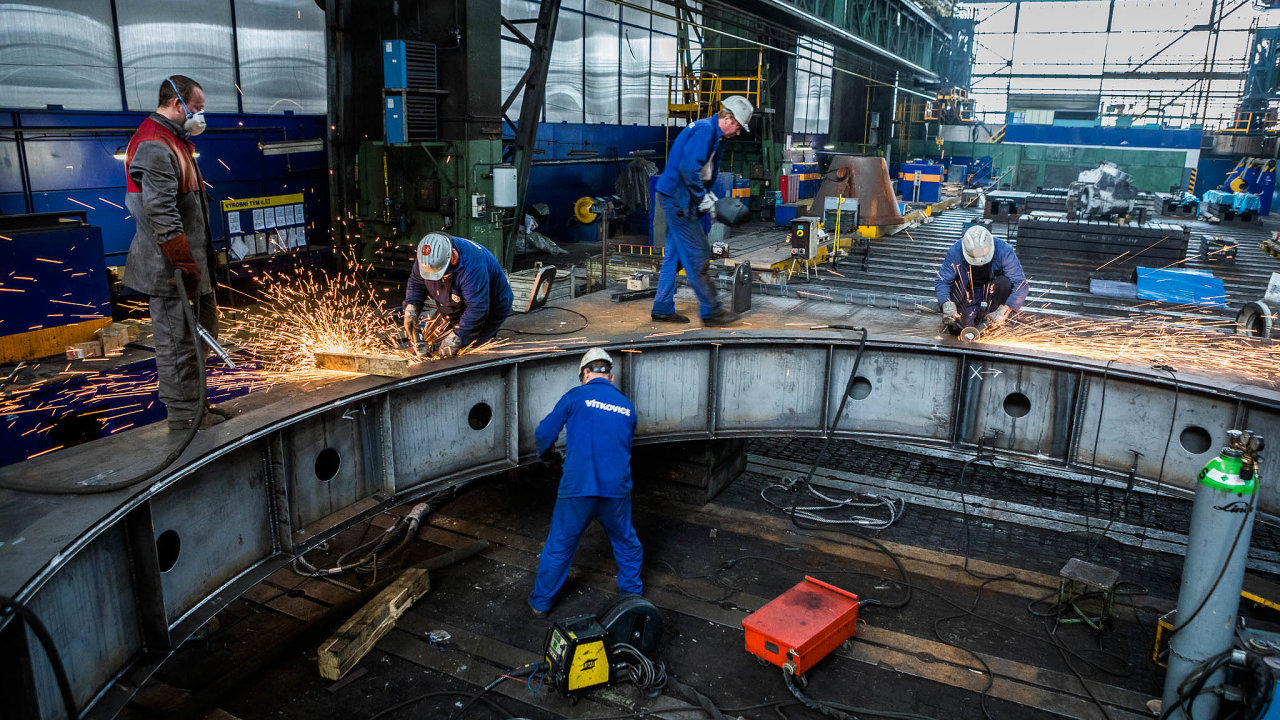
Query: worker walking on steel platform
(981, 280)
(166, 197)
(471, 293)
(684, 193)
(596, 483)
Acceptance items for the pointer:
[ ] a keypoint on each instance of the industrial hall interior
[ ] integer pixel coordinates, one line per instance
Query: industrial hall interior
(639, 359)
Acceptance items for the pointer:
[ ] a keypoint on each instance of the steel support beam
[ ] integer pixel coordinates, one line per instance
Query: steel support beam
(534, 85)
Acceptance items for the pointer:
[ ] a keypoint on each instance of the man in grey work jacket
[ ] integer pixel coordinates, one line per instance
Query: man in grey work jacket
(596, 482)
(167, 200)
(684, 193)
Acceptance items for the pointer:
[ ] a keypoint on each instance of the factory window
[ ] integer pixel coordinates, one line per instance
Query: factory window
(609, 64)
(811, 109)
(1142, 61)
(61, 52)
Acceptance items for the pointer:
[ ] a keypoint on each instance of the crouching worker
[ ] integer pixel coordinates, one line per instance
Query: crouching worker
(471, 294)
(980, 281)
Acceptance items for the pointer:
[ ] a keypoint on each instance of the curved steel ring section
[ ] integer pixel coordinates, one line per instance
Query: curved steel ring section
(119, 593)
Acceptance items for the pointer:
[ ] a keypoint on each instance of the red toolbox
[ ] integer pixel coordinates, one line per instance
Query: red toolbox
(802, 625)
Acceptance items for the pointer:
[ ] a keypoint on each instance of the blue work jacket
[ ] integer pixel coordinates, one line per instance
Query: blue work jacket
(681, 179)
(602, 422)
(1004, 263)
(468, 293)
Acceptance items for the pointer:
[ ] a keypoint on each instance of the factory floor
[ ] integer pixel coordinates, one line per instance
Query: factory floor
(970, 641)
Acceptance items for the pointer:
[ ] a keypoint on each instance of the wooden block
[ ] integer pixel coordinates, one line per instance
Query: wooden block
(91, 349)
(341, 652)
(387, 365)
(115, 336)
(47, 342)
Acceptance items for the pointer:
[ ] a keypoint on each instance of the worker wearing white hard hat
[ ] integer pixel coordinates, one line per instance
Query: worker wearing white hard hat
(980, 281)
(596, 481)
(469, 288)
(684, 193)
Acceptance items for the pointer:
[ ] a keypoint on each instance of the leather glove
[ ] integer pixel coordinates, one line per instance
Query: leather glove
(950, 314)
(449, 346)
(999, 316)
(178, 252)
(708, 204)
(412, 323)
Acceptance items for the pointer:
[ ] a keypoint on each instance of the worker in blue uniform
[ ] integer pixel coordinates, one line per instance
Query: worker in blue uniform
(596, 482)
(684, 193)
(469, 288)
(980, 280)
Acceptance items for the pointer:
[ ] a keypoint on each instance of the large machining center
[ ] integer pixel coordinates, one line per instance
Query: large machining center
(419, 126)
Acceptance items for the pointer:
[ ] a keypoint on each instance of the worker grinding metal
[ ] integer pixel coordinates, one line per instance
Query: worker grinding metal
(596, 482)
(684, 192)
(980, 282)
(166, 197)
(470, 291)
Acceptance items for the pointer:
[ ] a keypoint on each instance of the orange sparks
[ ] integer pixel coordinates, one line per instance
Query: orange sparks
(55, 262)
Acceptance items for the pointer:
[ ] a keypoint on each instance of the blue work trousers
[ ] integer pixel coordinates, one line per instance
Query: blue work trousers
(687, 247)
(570, 519)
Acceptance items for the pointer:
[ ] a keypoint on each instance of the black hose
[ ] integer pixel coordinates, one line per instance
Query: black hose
(173, 454)
(55, 660)
(814, 705)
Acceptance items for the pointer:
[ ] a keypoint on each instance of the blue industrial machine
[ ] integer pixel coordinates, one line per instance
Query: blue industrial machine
(410, 77)
(920, 182)
(54, 284)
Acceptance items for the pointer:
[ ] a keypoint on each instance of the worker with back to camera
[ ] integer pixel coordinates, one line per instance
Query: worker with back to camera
(471, 294)
(596, 481)
(684, 193)
(165, 195)
(980, 280)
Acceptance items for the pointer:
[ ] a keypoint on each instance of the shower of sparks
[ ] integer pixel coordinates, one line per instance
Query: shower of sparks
(298, 317)
(315, 312)
(1197, 345)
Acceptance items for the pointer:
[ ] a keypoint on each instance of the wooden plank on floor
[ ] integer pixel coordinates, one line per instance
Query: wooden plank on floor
(386, 365)
(358, 634)
(1014, 682)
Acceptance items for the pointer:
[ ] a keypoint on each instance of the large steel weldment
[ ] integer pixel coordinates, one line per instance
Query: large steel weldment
(865, 178)
(289, 475)
(1212, 575)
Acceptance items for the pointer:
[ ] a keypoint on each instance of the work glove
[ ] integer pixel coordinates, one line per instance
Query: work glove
(708, 204)
(950, 314)
(412, 324)
(449, 346)
(999, 316)
(178, 253)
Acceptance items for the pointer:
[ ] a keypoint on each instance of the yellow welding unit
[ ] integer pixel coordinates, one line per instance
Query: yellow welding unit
(577, 654)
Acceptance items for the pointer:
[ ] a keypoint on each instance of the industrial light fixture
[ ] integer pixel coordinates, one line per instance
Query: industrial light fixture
(583, 153)
(119, 153)
(828, 147)
(288, 147)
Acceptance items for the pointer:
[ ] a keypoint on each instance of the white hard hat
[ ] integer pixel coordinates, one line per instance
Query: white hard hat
(978, 245)
(594, 355)
(740, 107)
(434, 252)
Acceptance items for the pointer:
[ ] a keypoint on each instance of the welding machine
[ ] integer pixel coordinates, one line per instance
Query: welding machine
(799, 627)
(583, 651)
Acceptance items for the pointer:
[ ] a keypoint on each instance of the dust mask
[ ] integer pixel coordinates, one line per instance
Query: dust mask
(195, 123)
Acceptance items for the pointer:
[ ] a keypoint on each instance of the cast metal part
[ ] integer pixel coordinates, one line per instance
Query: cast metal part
(311, 464)
(866, 178)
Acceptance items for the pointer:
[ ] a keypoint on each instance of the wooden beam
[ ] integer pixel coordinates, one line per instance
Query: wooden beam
(388, 365)
(358, 635)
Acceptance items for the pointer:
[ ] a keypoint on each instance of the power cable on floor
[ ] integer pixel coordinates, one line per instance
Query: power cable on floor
(585, 323)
